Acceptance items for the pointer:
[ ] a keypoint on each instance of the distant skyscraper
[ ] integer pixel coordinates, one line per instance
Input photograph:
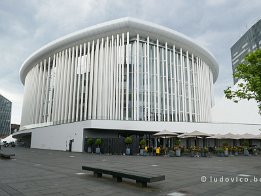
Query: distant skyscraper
(250, 41)
(5, 116)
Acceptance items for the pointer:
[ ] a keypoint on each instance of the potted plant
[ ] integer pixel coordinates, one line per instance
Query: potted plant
(219, 151)
(90, 143)
(177, 147)
(128, 141)
(204, 152)
(142, 146)
(98, 142)
(235, 150)
(226, 151)
(245, 145)
(254, 149)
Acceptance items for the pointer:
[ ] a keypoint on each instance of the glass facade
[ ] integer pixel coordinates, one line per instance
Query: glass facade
(250, 41)
(5, 116)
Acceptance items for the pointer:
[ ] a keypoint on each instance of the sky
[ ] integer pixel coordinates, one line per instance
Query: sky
(27, 25)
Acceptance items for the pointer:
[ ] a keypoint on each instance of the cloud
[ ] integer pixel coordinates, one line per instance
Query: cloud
(27, 25)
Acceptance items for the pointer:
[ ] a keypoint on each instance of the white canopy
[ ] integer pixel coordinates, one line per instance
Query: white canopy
(194, 134)
(166, 134)
(8, 139)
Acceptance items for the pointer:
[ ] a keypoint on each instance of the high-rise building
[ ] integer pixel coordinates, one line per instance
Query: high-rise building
(250, 41)
(5, 116)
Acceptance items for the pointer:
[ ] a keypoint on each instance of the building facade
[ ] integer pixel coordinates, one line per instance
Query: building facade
(249, 42)
(5, 116)
(122, 70)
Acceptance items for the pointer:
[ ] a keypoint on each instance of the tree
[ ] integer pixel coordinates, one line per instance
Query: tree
(249, 84)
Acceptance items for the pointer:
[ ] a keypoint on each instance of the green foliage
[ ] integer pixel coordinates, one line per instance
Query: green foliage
(245, 143)
(128, 140)
(98, 141)
(249, 75)
(142, 143)
(177, 142)
(90, 141)
(219, 150)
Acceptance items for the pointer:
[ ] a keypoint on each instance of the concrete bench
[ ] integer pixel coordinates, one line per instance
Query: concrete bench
(141, 178)
(6, 156)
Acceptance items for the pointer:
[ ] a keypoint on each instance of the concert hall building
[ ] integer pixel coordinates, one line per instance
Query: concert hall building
(123, 76)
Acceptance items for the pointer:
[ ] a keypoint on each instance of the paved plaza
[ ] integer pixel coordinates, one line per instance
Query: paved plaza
(46, 172)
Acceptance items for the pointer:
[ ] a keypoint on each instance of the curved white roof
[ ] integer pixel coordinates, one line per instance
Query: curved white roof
(131, 25)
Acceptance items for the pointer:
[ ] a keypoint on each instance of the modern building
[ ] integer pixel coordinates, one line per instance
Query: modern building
(250, 41)
(5, 116)
(122, 76)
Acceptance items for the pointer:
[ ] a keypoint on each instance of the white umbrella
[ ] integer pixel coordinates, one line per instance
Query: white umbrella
(229, 136)
(247, 136)
(194, 134)
(216, 136)
(258, 137)
(166, 134)
(9, 139)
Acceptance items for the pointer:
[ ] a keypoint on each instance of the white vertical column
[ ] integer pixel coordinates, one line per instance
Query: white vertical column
(148, 66)
(87, 82)
(78, 77)
(38, 95)
(34, 92)
(175, 80)
(199, 89)
(53, 79)
(62, 88)
(145, 89)
(194, 88)
(100, 81)
(183, 92)
(42, 100)
(167, 79)
(122, 75)
(56, 89)
(31, 90)
(163, 84)
(59, 81)
(172, 64)
(127, 80)
(74, 95)
(111, 78)
(95, 80)
(72, 85)
(189, 87)
(90, 105)
(135, 83)
(138, 80)
(47, 87)
(117, 79)
(67, 85)
(155, 82)
(106, 81)
(158, 75)
(83, 75)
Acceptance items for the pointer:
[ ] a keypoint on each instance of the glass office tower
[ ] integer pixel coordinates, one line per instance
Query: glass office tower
(5, 116)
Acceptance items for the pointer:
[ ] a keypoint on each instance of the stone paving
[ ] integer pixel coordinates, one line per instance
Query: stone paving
(46, 172)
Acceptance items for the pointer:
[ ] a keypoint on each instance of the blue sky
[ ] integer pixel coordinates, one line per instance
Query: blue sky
(26, 25)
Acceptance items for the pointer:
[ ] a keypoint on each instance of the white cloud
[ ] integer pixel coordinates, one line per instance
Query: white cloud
(27, 25)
